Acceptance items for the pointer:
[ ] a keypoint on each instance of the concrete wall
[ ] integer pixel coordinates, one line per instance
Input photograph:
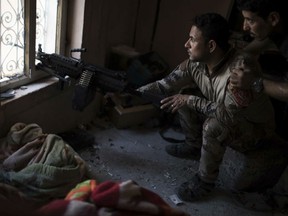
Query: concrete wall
(48, 106)
(108, 23)
(146, 25)
(75, 18)
(174, 25)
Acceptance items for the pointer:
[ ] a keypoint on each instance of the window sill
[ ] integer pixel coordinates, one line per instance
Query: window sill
(42, 85)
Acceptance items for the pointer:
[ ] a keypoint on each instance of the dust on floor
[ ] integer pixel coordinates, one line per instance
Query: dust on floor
(138, 154)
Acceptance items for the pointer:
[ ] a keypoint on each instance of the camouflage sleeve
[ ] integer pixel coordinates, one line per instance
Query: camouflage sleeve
(172, 83)
(216, 110)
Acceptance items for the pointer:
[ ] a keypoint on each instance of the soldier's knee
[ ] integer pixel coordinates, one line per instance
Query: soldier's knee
(212, 127)
(214, 130)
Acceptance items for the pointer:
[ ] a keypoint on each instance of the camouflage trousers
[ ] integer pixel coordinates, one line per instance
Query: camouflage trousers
(213, 137)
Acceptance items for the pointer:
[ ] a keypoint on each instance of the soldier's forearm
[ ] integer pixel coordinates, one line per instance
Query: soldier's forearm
(276, 89)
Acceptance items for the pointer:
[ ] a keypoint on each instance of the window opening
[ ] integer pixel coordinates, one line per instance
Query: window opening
(12, 28)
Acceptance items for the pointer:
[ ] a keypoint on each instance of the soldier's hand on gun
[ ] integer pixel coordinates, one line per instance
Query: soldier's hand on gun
(175, 102)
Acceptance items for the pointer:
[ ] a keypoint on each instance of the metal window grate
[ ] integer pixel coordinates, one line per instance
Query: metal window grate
(12, 33)
(12, 38)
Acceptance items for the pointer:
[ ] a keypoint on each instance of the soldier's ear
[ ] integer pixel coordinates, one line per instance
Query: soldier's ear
(212, 45)
(274, 18)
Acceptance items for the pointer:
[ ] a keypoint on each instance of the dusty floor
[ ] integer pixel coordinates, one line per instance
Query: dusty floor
(137, 153)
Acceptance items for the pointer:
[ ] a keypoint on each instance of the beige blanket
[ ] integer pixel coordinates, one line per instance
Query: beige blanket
(40, 165)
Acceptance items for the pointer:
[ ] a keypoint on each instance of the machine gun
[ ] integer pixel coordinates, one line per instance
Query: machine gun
(89, 77)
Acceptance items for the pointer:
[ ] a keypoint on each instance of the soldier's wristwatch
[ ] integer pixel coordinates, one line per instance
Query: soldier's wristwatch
(257, 85)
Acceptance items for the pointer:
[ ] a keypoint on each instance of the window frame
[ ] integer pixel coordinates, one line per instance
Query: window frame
(30, 73)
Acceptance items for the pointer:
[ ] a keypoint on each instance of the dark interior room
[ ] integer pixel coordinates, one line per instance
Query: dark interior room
(77, 138)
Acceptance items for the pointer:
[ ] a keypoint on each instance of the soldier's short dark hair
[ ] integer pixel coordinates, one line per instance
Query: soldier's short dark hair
(214, 27)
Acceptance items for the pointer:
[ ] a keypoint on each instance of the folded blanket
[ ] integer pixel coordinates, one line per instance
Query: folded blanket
(40, 165)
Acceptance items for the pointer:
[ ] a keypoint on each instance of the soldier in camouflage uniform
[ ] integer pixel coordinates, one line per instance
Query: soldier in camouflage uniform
(221, 116)
(266, 22)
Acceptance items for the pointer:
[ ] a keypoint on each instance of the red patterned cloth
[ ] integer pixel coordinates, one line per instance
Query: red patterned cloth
(109, 198)
(243, 97)
(82, 191)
